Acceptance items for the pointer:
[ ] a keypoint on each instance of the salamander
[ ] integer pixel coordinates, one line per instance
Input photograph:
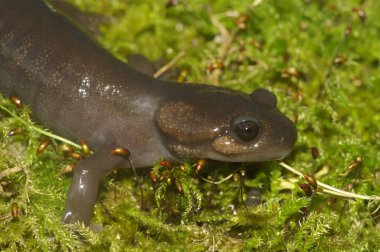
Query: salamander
(79, 90)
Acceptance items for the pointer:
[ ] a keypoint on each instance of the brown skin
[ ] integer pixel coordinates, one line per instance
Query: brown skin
(78, 90)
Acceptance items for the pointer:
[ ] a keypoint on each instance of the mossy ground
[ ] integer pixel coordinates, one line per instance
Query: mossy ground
(288, 47)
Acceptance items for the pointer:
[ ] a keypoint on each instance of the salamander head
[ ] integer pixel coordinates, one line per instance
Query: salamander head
(224, 125)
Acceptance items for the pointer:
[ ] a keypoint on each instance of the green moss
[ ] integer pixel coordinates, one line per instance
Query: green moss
(287, 47)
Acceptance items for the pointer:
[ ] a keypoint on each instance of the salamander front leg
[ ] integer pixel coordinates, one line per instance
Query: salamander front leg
(84, 187)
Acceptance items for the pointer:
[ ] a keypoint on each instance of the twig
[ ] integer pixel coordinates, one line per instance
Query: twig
(256, 3)
(219, 181)
(166, 67)
(376, 210)
(227, 39)
(27, 179)
(10, 171)
(223, 31)
(332, 190)
(41, 131)
(14, 170)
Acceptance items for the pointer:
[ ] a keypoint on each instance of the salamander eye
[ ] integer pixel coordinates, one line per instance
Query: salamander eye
(246, 129)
